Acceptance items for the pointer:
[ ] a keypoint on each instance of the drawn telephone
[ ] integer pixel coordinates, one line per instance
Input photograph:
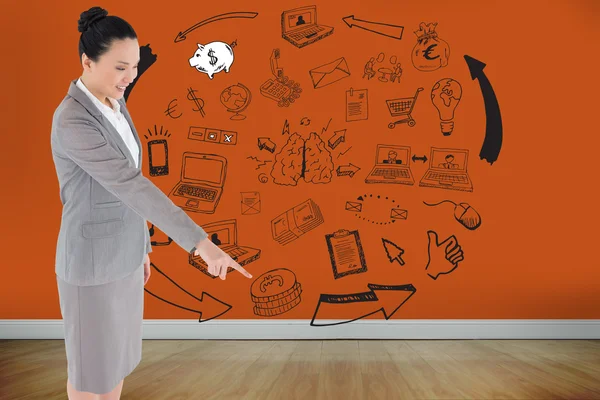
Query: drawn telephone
(158, 157)
(275, 89)
(155, 243)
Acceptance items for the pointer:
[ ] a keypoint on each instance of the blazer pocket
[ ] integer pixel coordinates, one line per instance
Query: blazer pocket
(108, 204)
(102, 229)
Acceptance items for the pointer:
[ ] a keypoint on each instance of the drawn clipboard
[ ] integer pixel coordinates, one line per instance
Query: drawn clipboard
(357, 107)
(346, 253)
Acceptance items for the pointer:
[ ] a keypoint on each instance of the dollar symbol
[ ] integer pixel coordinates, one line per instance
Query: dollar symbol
(192, 97)
(213, 58)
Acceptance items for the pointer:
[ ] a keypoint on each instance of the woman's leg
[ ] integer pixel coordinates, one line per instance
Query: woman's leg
(115, 394)
(77, 395)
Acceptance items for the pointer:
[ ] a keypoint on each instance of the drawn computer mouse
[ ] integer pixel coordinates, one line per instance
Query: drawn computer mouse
(464, 213)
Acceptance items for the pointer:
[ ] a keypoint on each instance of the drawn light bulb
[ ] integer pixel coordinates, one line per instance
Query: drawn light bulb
(445, 95)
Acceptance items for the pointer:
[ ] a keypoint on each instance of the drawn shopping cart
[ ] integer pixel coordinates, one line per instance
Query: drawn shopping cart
(402, 107)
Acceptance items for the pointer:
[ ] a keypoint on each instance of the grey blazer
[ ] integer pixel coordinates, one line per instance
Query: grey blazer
(106, 200)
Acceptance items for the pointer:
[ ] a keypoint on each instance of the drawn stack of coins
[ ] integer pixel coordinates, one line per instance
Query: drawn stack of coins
(275, 292)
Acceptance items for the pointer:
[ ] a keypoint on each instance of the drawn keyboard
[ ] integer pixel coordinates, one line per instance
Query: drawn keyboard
(306, 32)
(195, 191)
(391, 172)
(452, 178)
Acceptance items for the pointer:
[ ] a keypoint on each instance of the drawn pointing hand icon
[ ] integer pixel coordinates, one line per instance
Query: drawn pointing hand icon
(444, 257)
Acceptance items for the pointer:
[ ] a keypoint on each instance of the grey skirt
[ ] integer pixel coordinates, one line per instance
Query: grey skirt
(103, 331)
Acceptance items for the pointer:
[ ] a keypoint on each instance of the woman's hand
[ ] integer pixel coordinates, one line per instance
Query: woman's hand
(217, 260)
(146, 268)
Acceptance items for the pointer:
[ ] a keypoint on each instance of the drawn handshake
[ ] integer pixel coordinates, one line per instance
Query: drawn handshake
(443, 257)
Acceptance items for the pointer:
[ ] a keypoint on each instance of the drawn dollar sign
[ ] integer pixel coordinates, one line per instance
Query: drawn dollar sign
(213, 58)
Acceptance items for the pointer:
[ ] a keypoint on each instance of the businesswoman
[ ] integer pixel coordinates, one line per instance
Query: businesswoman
(102, 261)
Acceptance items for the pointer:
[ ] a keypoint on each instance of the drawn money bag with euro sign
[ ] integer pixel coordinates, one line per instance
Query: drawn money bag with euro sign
(430, 52)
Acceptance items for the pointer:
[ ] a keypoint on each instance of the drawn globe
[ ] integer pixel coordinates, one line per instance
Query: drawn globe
(236, 98)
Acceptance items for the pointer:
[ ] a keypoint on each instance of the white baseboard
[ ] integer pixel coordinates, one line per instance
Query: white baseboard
(242, 329)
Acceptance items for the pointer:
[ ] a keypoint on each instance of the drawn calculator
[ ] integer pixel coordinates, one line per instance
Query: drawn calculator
(275, 90)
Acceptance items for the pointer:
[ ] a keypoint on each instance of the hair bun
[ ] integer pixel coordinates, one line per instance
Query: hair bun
(87, 18)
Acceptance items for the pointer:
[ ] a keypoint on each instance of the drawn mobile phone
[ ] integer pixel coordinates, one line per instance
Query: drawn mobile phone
(158, 157)
(275, 89)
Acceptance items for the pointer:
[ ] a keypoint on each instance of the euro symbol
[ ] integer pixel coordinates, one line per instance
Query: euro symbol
(170, 109)
(428, 50)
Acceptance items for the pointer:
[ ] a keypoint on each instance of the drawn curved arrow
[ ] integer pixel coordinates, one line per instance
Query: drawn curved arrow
(389, 30)
(493, 119)
(181, 36)
(389, 300)
(210, 306)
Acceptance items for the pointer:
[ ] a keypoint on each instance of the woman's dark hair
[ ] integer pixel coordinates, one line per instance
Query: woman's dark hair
(98, 30)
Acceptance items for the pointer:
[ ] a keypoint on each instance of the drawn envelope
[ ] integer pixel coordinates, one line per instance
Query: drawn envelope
(353, 206)
(250, 203)
(326, 74)
(398, 213)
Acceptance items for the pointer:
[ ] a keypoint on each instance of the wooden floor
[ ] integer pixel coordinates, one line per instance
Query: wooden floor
(316, 369)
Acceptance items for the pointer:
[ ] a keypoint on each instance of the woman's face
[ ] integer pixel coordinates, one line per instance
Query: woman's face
(115, 69)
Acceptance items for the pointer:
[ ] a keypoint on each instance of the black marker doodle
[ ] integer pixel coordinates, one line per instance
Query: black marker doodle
(265, 143)
(391, 165)
(303, 159)
(445, 96)
(181, 36)
(224, 235)
(198, 102)
(260, 163)
(299, 26)
(212, 58)
(415, 158)
(493, 119)
(357, 105)
(393, 251)
(295, 222)
(283, 90)
(347, 170)
(345, 253)
(402, 107)
(212, 135)
(430, 52)
(170, 109)
(263, 178)
(393, 69)
(147, 58)
(463, 213)
(201, 184)
(286, 128)
(156, 242)
(443, 257)
(329, 73)
(304, 121)
(209, 306)
(448, 170)
(369, 303)
(250, 203)
(158, 153)
(347, 150)
(275, 292)
(337, 138)
(395, 212)
(389, 30)
(236, 98)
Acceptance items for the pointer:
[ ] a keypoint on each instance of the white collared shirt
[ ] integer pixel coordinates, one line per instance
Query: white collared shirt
(116, 118)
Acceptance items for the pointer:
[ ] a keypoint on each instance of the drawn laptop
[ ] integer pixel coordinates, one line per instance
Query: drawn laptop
(201, 184)
(392, 165)
(299, 26)
(224, 235)
(448, 170)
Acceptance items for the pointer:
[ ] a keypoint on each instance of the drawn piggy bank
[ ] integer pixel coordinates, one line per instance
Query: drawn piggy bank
(212, 58)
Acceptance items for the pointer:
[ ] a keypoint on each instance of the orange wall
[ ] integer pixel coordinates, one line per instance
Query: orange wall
(534, 255)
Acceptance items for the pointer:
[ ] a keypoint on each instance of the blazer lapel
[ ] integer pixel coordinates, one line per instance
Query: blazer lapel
(135, 134)
(85, 101)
